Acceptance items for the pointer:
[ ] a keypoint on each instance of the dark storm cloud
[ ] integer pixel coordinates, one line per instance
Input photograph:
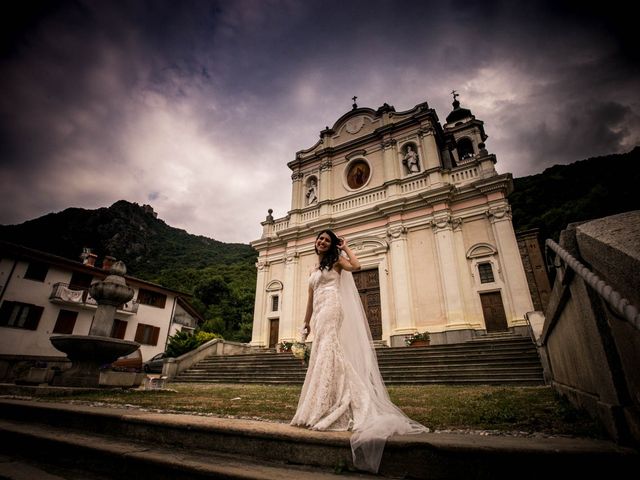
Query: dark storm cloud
(197, 106)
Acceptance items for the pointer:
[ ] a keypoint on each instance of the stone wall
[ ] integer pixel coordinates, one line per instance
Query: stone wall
(590, 348)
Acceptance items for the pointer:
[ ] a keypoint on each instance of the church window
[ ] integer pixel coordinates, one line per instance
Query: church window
(486, 273)
(275, 303)
(465, 148)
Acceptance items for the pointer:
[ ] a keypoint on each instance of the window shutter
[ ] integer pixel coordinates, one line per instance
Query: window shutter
(155, 335)
(66, 322)
(119, 329)
(33, 317)
(139, 333)
(5, 312)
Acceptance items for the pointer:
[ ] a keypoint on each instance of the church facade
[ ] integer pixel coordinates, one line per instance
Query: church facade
(424, 209)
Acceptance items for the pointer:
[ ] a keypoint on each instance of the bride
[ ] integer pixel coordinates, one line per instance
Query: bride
(343, 388)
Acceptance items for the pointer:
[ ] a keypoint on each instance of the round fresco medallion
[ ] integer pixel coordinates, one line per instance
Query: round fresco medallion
(358, 174)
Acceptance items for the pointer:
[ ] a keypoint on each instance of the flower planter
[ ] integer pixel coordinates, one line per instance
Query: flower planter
(420, 343)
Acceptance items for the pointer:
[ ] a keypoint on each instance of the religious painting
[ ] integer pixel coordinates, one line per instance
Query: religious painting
(358, 174)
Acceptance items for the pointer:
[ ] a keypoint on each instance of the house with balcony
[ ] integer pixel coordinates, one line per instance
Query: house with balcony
(43, 295)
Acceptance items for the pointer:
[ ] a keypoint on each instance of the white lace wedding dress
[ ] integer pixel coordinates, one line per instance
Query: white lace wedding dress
(343, 389)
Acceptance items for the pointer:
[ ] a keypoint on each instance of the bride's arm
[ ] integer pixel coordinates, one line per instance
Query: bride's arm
(351, 263)
(307, 316)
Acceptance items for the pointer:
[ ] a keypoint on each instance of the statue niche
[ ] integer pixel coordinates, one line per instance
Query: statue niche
(410, 159)
(312, 191)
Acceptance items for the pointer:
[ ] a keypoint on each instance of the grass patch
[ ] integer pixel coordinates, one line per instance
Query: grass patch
(440, 407)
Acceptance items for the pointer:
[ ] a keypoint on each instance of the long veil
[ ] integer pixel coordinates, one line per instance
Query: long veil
(382, 418)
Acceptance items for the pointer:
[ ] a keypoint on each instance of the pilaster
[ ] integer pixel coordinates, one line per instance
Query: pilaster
(431, 154)
(326, 174)
(515, 278)
(443, 226)
(260, 333)
(290, 296)
(296, 190)
(400, 279)
(390, 165)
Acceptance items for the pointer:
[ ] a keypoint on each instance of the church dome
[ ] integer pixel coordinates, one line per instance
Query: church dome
(458, 113)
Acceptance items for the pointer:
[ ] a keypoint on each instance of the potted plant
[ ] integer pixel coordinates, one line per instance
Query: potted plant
(418, 339)
(284, 347)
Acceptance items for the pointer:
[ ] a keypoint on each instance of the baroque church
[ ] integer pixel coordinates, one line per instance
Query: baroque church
(425, 211)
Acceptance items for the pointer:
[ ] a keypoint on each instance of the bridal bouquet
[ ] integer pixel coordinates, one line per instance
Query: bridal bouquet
(300, 349)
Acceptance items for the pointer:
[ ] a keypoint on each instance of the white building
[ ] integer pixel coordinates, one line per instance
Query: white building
(42, 295)
(425, 211)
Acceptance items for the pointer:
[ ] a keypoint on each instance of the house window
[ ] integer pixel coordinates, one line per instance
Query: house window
(147, 334)
(275, 303)
(37, 271)
(82, 280)
(65, 322)
(148, 297)
(20, 315)
(486, 273)
(118, 329)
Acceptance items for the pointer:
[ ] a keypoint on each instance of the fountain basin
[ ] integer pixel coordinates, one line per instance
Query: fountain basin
(87, 354)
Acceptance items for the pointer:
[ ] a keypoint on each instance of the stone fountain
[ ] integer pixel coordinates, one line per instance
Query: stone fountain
(89, 352)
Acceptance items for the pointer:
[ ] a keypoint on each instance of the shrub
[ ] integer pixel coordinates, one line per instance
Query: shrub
(183, 342)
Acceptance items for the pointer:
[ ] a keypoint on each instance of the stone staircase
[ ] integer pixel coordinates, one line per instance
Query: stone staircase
(62, 441)
(501, 359)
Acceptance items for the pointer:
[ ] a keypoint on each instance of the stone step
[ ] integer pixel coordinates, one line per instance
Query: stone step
(414, 359)
(115, 458)
(494, 359)
(132, 443)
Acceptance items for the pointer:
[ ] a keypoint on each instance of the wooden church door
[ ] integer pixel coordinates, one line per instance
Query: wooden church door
(493, 311)
(368, 285)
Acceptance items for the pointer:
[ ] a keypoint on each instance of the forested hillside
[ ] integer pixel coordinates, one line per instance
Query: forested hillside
(220, 276)
(583, 190)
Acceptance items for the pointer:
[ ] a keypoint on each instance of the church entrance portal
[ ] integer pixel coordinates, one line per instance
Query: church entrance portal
(368, 285)
(274, 327)
(493, 311)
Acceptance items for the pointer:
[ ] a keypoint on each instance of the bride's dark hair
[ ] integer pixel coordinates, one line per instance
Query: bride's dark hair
(331, 257)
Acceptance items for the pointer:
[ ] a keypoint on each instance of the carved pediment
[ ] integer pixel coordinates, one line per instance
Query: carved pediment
(368, 245)
(481, 250)
(274, 286)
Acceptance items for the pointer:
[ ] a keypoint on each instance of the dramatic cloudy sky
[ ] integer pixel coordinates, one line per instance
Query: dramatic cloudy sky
(195, 107)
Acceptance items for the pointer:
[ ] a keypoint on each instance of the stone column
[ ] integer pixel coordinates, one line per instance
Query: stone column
(400, 279)
(260, 333)
(515, 279)
(288, 324)
(449, 275)
(431, 155)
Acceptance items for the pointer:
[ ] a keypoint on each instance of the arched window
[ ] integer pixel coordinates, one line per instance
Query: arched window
(465, 148)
